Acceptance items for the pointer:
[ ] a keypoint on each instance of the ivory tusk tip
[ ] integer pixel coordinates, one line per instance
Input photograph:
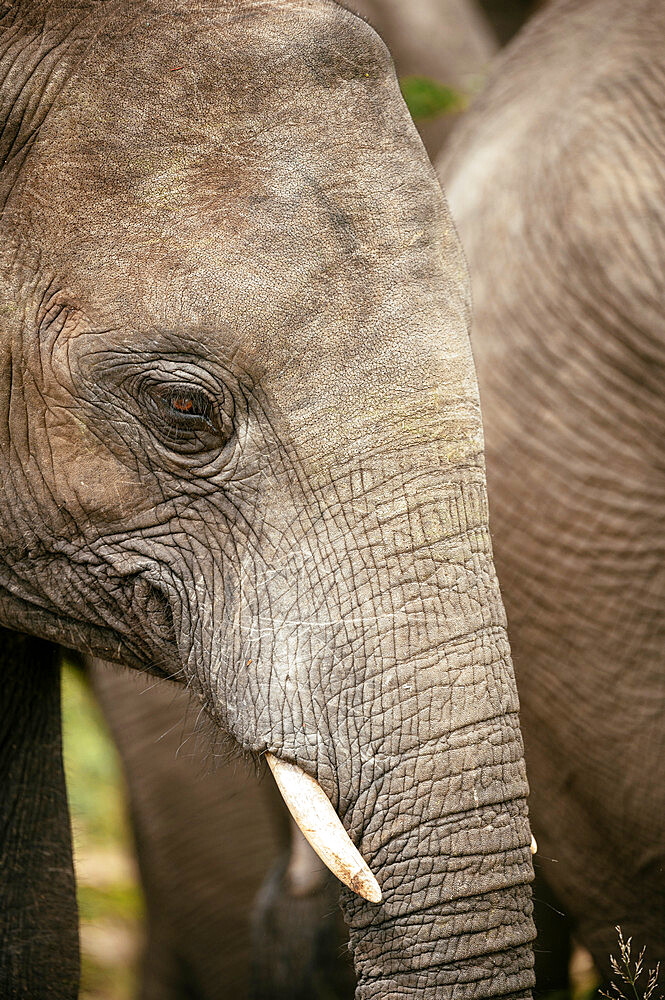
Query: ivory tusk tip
(534, 845)
(313, 813)
(366, 887)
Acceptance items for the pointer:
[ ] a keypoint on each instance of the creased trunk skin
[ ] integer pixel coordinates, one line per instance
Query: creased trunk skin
(447, 833)
(39, 955)
(422, 756)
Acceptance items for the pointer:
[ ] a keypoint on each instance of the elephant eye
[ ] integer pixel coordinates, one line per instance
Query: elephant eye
(189, 408)
(184, 404)
(188, 419)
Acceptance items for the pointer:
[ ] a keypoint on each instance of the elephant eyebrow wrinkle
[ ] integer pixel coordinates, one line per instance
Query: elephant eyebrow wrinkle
(57, 314)
(44, 78)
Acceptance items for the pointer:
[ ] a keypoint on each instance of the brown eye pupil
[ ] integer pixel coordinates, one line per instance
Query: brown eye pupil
(182, 404)
(186, 419)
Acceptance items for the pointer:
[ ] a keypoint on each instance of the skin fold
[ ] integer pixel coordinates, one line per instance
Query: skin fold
(556, 182)
(241, 445)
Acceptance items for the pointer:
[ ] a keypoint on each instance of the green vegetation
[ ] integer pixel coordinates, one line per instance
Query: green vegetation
(426, 98)
(118, 900)
(110, 902)
(93, 772)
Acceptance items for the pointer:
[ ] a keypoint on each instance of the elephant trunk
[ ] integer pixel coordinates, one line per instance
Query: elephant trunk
(495, 955)
(444, 819)
(423, 763)
(456, 913)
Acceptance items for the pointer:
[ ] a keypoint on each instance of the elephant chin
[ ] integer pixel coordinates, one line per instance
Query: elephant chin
(322, 828)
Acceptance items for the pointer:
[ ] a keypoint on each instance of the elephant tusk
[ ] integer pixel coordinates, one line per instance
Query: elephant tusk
(321, 826)
(534, 845)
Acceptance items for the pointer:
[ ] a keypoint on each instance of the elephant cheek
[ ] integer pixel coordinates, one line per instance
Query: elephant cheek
(89, 481)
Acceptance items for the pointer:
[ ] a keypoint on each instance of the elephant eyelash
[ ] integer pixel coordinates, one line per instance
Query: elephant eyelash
(188, 409)
(188, 419)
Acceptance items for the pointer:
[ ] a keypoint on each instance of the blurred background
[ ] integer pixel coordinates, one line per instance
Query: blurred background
(109, 895)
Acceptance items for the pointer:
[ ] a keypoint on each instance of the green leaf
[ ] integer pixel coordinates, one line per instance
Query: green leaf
(426, 98)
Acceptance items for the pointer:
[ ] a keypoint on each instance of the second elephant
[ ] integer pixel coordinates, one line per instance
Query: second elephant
(557, 185)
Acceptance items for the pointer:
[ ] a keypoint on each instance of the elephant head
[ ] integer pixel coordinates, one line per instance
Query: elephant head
(241, 441)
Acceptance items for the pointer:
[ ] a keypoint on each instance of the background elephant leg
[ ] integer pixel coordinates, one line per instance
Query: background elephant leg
(553, 946)
(299, 940)
(39, 955)
(205, 839)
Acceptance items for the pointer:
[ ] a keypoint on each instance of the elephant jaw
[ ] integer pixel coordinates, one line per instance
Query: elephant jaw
(322, 828)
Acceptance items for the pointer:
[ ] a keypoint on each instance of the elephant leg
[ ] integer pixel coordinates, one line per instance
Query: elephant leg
(39, 958)
(553, 945)
(163, 972)
(299, 941)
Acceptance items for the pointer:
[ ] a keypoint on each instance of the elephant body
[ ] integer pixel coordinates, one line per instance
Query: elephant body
(557, 185)
(241, 448)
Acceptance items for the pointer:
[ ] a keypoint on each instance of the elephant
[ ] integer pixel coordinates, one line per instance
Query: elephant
(448, 41)
(241, 448)
(556, 184)
(451, 42)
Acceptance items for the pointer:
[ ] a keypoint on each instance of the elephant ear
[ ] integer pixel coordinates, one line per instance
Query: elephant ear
(39, 955)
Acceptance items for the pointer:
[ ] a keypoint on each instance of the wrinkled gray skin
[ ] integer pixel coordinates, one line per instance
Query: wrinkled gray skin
(556, 182)
(450, 41)
(241, 446)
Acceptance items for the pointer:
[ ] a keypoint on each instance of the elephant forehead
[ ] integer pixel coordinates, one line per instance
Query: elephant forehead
(249, 174)
(166, 106)
(263, 156)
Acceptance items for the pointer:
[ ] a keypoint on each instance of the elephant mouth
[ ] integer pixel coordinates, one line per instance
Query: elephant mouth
(322, 828)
